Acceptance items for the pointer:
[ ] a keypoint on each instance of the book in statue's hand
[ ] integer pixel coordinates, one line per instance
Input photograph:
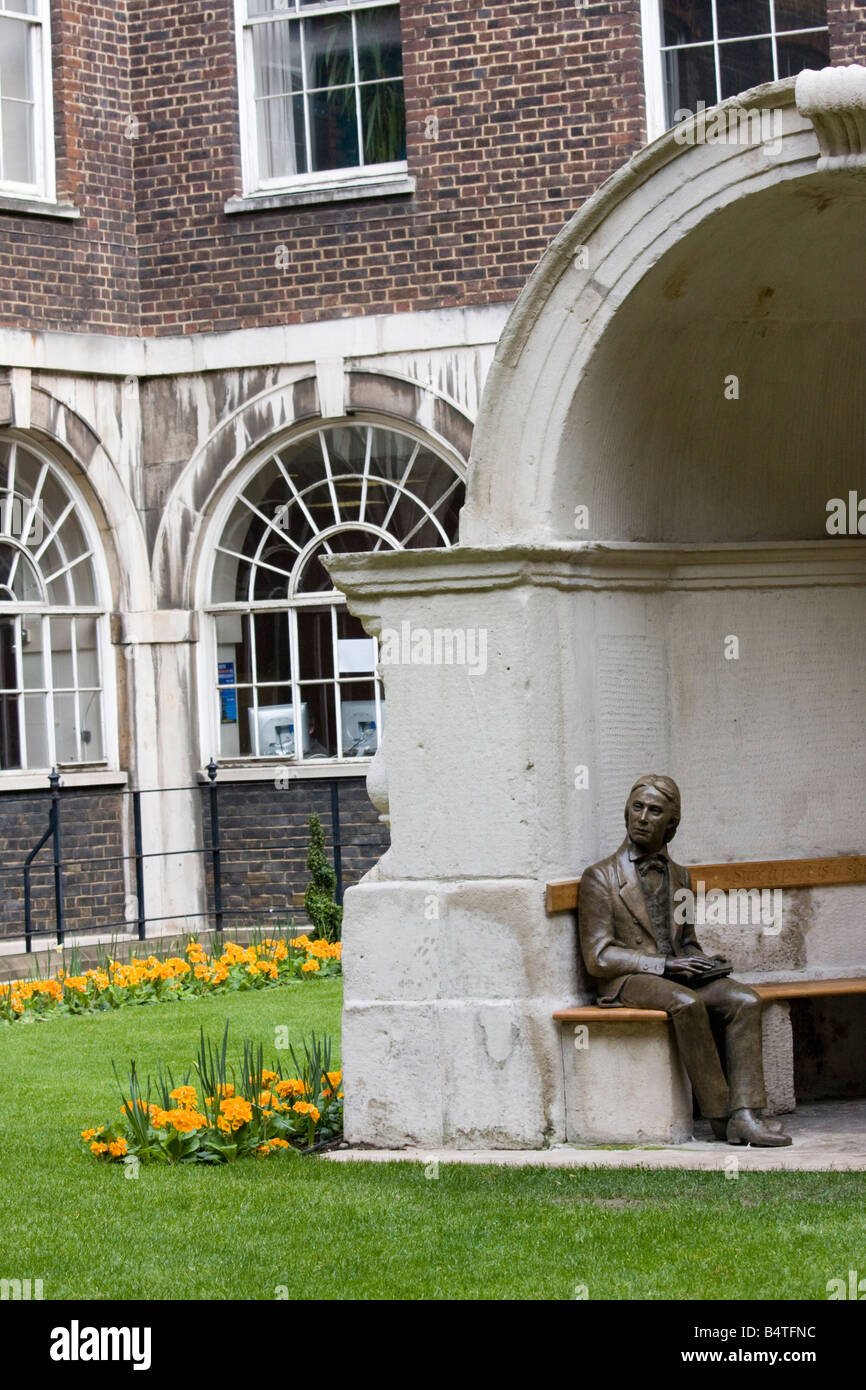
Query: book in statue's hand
(721, 967)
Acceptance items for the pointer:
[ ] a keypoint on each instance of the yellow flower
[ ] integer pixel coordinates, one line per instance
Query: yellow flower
(98, 1149)
(118, 1148)
(279, 1143)
(186, 1120)
(291, 1087)
(304, 1107)
(88, 1134)
(263, 1149)
(310, 966)
(238, 1110)
(333, 1078)
(185, 1097)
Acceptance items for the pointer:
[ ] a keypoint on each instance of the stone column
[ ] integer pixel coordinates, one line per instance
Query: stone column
(162, 752)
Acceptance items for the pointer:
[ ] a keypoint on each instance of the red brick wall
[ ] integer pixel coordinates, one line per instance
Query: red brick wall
(847, 23)
(536, 102)
(60, 274)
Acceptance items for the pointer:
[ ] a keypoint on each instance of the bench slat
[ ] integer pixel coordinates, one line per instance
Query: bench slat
(561, 895)
(776, 989)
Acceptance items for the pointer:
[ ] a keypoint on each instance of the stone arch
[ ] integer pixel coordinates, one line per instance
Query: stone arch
(78, 450)
(271, 418)
(694, 264)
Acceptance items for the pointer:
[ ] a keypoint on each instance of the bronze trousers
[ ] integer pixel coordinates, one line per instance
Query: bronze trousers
(687, 1005)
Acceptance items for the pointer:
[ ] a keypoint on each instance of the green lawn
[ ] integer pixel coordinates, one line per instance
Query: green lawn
(367, 1230)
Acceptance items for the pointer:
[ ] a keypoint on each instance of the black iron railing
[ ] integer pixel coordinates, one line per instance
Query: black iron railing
(211, 851)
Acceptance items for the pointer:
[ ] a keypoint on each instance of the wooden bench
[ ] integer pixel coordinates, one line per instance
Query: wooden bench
(561, 895)
(772, 992)
(653, 1098)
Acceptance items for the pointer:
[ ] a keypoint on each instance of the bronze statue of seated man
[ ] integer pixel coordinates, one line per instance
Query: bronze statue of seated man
(640, 955)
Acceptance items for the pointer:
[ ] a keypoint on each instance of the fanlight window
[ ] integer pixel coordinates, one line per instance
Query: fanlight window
(295, 672)
(51, 688)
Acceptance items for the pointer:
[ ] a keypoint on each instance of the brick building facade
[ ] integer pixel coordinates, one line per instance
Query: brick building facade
(209, 309)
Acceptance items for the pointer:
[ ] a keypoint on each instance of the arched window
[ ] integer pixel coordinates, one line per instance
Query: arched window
(294, 674)
(51, 620)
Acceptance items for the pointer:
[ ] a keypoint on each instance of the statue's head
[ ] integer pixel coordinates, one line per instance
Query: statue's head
(652, 811)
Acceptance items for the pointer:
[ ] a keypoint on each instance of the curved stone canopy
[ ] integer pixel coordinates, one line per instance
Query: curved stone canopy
(612, 388)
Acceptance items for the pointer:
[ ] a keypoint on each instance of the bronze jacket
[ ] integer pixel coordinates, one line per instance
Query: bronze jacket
(616, 936)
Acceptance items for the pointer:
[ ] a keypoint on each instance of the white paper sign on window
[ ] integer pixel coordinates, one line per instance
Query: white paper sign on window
(355, 654)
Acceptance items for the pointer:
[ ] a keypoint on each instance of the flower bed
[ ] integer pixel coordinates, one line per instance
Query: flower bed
(149, 981)
(232, 1113)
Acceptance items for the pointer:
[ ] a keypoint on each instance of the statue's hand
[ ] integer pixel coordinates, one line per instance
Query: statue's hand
(689, 966)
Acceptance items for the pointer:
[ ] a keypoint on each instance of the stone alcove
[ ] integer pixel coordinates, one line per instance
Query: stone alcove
(607, 643)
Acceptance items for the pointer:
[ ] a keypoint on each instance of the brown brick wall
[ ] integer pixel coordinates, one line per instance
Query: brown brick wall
(536, 103)
(264, 841)
(265, 838)
(91, 828)
(83, 274)
(847, 23)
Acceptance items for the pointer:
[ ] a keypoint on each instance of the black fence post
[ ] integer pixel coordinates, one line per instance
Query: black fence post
(335, 836)
(215, 846)
(139, 864)
(28, 926)
(54, 779)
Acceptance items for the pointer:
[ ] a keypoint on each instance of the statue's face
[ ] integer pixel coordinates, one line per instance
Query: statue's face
(648, 816)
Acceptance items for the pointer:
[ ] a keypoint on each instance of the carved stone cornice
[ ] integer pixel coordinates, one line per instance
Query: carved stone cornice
(834, 100)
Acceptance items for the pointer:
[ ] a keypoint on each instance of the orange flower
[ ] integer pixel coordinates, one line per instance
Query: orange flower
(185, 1097)
(309, 967)
(185, 1121)
(291, 1087)
(304, 1107)
(117, 1148)
(237, 1110)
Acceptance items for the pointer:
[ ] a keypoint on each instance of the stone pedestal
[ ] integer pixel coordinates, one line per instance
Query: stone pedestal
(625, 1084)
(778, 1057)
(448, 1031)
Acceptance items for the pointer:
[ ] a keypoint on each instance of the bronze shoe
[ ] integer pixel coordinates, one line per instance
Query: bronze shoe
(747, 1127)
(719, 1126)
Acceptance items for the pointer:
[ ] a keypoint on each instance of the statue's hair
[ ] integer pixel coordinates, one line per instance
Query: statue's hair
(667, 788)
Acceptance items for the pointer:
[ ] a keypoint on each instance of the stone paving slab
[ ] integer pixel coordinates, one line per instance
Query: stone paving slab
(829, 1136)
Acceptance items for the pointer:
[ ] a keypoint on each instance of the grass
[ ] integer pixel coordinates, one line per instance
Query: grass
(322, 1230)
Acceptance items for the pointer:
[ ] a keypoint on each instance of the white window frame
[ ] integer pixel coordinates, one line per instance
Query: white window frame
(254, 183)
(42, 611)
(208, 690)
(44, 189)
(652, 33)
